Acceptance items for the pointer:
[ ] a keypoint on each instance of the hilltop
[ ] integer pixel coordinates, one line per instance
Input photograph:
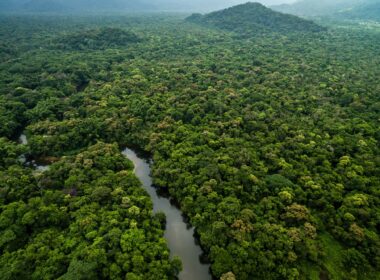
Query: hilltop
(254, 18)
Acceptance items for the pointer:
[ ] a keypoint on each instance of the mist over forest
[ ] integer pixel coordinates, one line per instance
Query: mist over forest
(351, 9)
(368, 9)
(123, 5)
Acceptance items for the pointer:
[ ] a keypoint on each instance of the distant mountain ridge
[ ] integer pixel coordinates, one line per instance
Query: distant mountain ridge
(64, 6)
(351, 9)
(364, 12)
(44, 6)
(10, 5)
(354, 9)
(316, 7)
(80, 6)
(254, 18)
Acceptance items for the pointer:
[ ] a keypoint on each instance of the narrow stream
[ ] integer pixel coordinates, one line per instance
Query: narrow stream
(179, 236)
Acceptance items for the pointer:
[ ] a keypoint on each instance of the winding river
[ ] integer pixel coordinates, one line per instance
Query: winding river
(179, 236)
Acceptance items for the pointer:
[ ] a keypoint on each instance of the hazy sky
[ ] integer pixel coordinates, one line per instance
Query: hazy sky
(222, 2)
(265, 2)
(159, 5)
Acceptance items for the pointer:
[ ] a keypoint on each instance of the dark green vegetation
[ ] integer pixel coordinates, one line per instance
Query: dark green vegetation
(255, 18)
(97, 39)
(270, 144)
(86, 218)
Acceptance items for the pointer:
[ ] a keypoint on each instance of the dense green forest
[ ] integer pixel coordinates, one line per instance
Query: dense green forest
(85, 218)
(255, 18)
(269, 143)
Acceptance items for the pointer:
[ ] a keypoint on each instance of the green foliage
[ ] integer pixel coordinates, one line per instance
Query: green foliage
(269, 144)
(10, 153)
(76, 226)
(11, 116)
(97, 39)
(254, 18)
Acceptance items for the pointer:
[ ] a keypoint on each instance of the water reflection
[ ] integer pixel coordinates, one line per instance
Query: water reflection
(179, 236)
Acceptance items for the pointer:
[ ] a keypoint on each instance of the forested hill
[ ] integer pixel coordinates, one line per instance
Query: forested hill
(255, 17)
(316, 7)
(349, 9)
(364, 12)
